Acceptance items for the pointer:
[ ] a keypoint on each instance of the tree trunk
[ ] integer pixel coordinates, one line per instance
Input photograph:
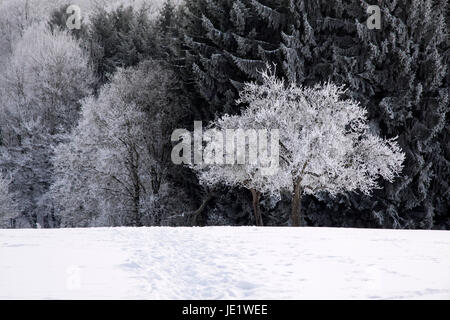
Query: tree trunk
(256, 209)
(136, 213)
(199, 211)
(156, 180)
(136, 191)
(296, 204)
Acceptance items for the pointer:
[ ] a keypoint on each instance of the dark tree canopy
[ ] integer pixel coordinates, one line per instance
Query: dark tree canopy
(120, 38)
(399, 73)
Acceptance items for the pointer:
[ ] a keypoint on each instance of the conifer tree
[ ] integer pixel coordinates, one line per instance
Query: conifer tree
(120, 38)
(399, 73)
(227, 43)
(404, 80)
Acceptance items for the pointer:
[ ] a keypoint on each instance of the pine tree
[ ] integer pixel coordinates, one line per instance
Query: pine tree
(166, 20)
(406, 72)
(226, 43)
(169, 29)
(399, 73)
(119, 39)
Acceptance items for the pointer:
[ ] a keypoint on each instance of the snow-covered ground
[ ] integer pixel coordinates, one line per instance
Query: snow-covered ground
(224, 263)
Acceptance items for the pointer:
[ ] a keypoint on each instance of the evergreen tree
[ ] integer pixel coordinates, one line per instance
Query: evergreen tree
(404, 79)
(120, 38)
(169, 29)
(226, 43)
(166, 20)
(399, 73)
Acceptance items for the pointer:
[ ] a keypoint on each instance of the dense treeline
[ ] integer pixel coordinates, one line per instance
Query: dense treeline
(86, 115)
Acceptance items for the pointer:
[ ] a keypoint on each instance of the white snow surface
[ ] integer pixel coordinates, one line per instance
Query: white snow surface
(224, 263)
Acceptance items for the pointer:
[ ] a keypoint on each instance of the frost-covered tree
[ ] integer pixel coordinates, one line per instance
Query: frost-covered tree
(167, 15)
(242, 153)
(325, 142)
(105, 155)
(115, 163)
(8, 208)
(46, 76)
(15, 18)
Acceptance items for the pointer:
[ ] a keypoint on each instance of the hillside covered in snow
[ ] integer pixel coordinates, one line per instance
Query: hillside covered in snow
(224, 263)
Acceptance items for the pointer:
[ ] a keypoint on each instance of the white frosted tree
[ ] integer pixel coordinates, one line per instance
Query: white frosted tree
(15, 17)
(99, 170)
(116, 160)
(8, 208)
(46, 76)
(325, 144)
(240, 152)
(40, 88)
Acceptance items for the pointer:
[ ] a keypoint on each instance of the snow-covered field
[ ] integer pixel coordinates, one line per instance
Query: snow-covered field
(224, 263)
